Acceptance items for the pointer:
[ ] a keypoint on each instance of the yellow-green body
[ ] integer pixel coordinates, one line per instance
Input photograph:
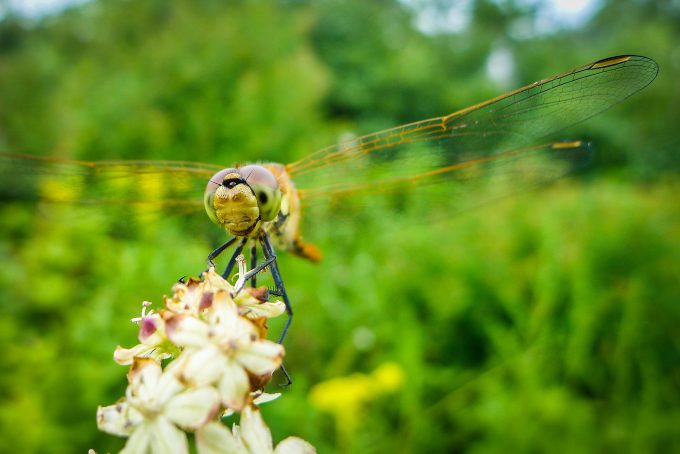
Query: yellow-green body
(241, 211)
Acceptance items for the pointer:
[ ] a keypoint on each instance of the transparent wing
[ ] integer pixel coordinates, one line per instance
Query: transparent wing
(487, 145)
(450, 159)
(142, 186)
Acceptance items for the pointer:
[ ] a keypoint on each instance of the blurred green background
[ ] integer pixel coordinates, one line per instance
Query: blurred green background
(548, 322)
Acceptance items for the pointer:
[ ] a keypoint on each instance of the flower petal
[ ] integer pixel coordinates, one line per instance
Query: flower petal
(262, 357)
(263, 398)
(258, 309)
(118, 419)
(138, 442)
(294, 445)
(168, 384)
(188, 297)
(223, 311)
(233, 386)
(187, 331)
(215, 438)
(254, 303)
(151, 329)
(254, 433)
(193, 408)
(201, 367)
(143, 377)
(216, 282)
(166, 437)
(124, 356)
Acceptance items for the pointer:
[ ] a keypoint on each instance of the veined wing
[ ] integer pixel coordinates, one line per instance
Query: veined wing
(144, 186)
(482, 143)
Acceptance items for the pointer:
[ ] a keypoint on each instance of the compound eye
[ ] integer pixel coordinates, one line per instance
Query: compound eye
(266, 189)
(209, 194)
(269, 201)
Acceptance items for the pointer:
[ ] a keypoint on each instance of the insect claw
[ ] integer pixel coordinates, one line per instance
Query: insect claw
(274, 291)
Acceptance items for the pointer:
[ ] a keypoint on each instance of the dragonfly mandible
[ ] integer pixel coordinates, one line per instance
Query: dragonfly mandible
(451, 155)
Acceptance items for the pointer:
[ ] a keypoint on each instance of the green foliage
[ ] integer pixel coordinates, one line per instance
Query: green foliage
(546, 322)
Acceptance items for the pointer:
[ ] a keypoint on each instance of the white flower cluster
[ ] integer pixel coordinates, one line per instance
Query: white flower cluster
(221, 361)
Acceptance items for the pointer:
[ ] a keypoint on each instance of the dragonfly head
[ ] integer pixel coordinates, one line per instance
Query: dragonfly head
(238, 199)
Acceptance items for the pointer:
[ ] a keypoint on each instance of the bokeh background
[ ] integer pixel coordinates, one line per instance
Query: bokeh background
(546, 322)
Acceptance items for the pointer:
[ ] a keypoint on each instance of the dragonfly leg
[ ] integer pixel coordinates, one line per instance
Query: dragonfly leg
(232, 260)
(213, 255)
(269, 254)
(253, 264)
(280, 290)
(252, 273)
(285, 374)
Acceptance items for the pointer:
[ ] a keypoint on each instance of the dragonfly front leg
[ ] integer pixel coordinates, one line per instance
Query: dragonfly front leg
(232, 260)
(216, 252)
(255, 269)
(243, 279)
(213, 255)
(253, 264)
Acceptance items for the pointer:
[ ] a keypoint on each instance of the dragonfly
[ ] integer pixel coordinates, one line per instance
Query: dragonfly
(448, 159)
